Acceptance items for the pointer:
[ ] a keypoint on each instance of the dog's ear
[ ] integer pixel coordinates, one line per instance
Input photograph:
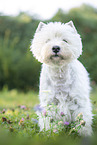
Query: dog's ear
(41, 24)
(70, 23)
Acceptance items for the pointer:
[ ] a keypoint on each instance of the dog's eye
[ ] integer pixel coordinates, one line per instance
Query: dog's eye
(65, 40)
(47, 40)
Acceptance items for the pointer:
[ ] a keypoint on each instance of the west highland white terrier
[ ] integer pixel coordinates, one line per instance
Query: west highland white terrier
(63, 81)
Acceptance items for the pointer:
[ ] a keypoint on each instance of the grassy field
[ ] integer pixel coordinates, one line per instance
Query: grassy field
(18, 120)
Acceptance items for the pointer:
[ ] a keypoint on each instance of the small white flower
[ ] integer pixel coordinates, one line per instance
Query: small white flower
(82, 122)
(60, 123)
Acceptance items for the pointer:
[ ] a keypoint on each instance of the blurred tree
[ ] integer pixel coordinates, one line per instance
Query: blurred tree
(18, 68)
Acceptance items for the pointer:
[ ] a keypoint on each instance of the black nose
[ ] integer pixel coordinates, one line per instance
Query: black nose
(56, 49)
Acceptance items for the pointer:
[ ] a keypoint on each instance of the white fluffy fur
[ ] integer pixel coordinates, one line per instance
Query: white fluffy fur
(64, 80)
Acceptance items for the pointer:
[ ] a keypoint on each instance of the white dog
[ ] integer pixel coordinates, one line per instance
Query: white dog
(64, 80)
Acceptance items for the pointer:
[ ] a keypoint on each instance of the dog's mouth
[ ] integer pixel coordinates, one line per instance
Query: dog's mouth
(56, 56)
(57, 59)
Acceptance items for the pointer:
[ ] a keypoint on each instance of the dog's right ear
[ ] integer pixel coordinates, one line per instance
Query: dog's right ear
(40, 26)
(72, 25)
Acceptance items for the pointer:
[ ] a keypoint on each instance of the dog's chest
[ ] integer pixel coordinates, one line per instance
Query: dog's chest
(61, 83)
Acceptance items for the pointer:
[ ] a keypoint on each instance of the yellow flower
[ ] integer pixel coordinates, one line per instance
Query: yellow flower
(79, 116)
(21, 121)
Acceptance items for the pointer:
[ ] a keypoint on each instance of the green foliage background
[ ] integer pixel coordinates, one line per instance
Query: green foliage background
(18, 68)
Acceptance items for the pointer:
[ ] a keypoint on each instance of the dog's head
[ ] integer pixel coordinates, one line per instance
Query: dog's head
(56, 43)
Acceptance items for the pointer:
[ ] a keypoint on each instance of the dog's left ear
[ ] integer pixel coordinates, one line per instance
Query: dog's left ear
(72, 25)
(40, 26)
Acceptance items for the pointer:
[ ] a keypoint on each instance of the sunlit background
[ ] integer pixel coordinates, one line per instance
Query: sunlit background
(18, 22)
(44, 8)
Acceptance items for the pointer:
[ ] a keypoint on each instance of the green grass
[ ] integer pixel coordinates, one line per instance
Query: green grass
(16, 122)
